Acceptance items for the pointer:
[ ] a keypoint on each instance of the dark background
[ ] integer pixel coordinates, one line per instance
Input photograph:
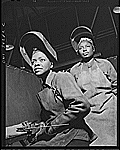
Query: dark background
(56, 20)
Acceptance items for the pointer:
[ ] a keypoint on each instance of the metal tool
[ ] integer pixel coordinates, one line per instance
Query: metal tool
(27, 129)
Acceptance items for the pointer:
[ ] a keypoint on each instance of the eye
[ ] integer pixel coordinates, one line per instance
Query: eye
(80, 48)
(42, 59)
(32, 62)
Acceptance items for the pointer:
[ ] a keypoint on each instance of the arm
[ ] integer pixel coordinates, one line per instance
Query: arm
(78, 105)
(112, 75)
(13, 136)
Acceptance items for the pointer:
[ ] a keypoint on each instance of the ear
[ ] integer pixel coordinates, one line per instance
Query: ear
(74, 45)
(51, 65)
(93, 48)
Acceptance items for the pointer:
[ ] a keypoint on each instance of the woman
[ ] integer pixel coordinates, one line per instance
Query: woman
(97, 79)
(63, 104)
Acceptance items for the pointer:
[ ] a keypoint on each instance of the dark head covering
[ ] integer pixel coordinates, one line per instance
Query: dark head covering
(35, 40)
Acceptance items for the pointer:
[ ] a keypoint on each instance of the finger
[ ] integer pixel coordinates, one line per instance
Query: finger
(77, 106)
(71, 111)
(42, 124)
(24, 123)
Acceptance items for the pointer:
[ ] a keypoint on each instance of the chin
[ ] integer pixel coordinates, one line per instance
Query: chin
(85, 56)
(39, 73)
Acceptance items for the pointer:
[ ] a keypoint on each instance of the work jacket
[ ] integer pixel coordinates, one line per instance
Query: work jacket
(60, 99)
(98, 81)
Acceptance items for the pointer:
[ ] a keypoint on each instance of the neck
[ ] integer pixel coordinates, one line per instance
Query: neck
(44, 76)
(87, 59)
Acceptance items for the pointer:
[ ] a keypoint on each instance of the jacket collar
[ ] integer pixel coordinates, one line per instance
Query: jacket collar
(90, 63)
(50, 78)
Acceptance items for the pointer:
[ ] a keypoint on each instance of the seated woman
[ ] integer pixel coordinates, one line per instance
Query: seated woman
(97, 79)
(64, 107)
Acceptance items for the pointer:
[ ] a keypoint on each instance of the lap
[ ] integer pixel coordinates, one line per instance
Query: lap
(78, 143)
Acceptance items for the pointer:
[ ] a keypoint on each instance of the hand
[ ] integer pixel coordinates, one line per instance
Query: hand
(26, 124)
(39, 131)
(51, 130)
(11, 130)
(33, 127)
(39, 128)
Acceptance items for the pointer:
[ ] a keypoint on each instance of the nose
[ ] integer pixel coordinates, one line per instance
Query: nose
(37, 63)
(84, 49)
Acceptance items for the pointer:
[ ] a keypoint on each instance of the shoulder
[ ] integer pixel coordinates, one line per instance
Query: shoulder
(102, 62)
(63, 75)
(75, 67)
(63, 78)
(105, 65)
(66, 82)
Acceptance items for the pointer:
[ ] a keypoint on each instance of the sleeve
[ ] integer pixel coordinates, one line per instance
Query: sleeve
(112, 77)
(78, 106)
(74, 70)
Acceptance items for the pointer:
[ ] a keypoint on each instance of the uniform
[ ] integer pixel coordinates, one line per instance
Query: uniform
(98, 81)
(62, 104)
(61, 99)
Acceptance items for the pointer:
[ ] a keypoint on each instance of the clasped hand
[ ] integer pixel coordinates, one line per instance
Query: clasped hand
(31, 127)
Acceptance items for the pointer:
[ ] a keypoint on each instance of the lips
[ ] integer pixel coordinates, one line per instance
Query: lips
(36, 69)
(85, 54)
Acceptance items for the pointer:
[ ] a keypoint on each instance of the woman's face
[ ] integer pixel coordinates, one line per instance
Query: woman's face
(40, 63)
(85, 49)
